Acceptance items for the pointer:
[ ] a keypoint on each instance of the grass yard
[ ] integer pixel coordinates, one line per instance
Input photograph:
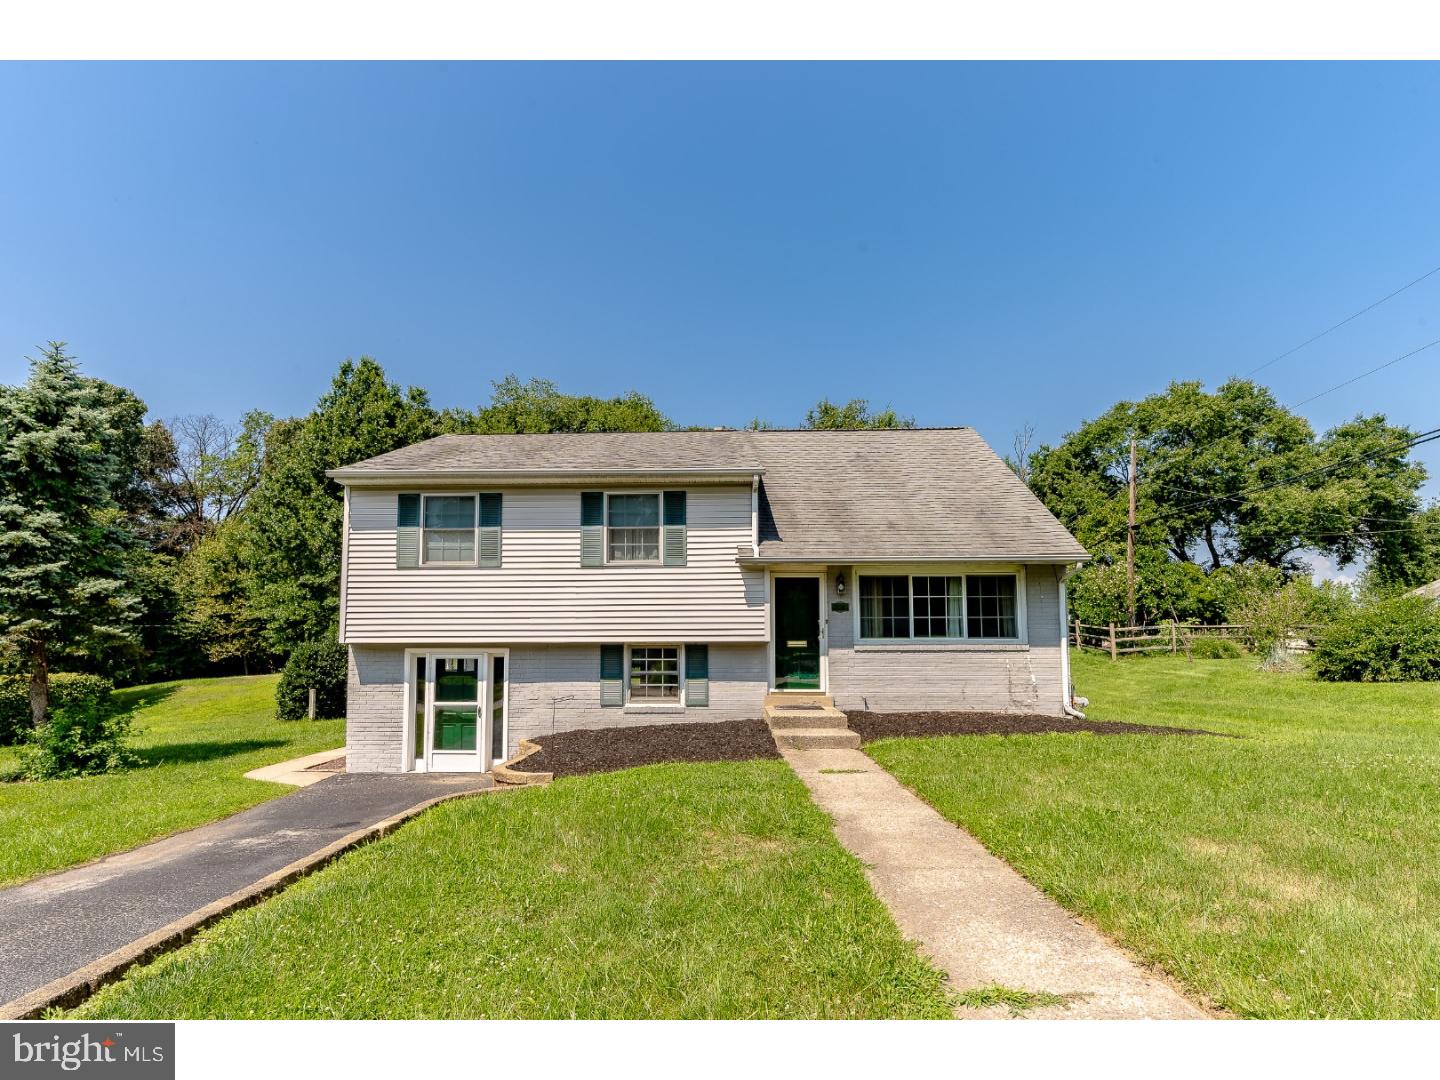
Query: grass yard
(695, 890)
(1291, 872)
(197, 737)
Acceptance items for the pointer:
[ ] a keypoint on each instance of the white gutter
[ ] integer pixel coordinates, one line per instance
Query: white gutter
(1067, 690)
(562, 477)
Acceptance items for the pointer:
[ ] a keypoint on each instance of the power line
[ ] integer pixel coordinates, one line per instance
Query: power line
(1366, 374)
(1417, 440)
(1342, 322)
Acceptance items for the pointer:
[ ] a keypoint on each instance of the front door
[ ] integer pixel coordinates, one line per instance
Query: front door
(797, 633)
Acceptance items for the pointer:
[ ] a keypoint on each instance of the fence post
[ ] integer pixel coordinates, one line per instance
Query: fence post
(1172, 639)
(1076, 623)
(1114, 653)
(311, 711)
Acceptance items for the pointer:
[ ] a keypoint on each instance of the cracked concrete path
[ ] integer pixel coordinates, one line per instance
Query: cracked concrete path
(57, 924)
(975, 917)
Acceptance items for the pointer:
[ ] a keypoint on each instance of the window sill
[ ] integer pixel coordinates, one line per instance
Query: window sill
(950, 646)
(658, 710)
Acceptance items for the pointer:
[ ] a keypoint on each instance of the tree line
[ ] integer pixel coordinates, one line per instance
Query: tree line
(147, 550)
(142, 550)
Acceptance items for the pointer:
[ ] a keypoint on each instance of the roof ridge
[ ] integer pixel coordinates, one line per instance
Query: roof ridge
(701, 431)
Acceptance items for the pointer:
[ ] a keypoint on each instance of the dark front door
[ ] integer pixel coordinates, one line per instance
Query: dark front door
(797, 633)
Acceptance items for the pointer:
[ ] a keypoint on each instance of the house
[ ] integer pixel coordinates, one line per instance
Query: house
(1429, 592)
(497, 587)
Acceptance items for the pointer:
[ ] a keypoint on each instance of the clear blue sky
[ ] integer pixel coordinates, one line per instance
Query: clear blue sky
(971, 243)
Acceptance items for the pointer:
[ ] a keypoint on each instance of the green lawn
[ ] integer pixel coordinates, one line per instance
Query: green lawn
(1291, 872)
(695, 891)
(197, 739)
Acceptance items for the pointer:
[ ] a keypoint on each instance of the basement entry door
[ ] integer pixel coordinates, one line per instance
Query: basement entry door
(457, 715)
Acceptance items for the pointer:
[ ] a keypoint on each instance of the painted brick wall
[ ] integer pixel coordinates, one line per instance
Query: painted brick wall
(1000, 679)
(552, 688)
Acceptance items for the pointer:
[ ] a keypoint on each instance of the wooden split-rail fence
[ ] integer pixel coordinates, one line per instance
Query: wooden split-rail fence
(1166, 637)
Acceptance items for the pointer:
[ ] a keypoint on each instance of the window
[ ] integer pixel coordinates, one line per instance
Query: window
(939, 607)
(655, 674)
(990, 606)
(884, 607)
(449, 529)
(632, 528)
(954, 607)
(457, 702)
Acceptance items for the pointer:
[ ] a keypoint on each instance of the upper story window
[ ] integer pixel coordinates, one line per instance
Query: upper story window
(449, 529)
(632, 528)
(951, 607)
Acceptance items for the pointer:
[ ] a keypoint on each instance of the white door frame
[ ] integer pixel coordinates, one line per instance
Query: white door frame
(481, 759)
(822, 577)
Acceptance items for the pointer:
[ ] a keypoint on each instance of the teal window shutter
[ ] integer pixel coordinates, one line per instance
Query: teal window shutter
(612, 676)
(592, 528)
(674, 529)
(407, 531)
(697, 675)
(490, 515)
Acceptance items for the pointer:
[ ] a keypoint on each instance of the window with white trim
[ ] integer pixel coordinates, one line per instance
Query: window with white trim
(448, 529)
(936, 607)
(632, 527)
(655, 674)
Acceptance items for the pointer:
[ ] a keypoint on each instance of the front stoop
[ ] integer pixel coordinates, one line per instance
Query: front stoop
(808, 723)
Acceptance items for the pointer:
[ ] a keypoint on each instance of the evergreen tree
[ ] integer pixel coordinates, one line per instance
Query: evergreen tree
(64, 540)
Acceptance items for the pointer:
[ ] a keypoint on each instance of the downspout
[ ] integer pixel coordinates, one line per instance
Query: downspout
(1067, 690)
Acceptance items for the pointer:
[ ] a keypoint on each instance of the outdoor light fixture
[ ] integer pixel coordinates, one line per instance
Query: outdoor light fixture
(840, 583)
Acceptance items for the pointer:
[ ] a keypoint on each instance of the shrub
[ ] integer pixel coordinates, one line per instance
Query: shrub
(1214, 648)
(78, 740)
(318, 664)
(67, 691)
(1390, 640)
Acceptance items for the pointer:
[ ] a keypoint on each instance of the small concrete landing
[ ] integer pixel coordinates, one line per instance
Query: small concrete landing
(808, 722)
(976, 918)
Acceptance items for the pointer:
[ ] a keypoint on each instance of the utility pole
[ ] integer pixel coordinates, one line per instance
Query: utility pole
(1130, 540)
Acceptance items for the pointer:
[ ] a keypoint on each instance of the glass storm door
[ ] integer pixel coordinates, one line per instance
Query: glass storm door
(797, 633)
(459, 712)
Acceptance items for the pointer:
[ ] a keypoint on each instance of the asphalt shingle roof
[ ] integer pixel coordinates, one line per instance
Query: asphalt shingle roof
(826, 496)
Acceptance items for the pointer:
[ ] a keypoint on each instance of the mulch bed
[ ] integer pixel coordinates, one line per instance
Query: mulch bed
(333, 765)
(872, 726)
(575, 753)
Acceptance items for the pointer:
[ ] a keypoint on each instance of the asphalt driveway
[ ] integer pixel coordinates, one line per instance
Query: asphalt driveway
(57, 924)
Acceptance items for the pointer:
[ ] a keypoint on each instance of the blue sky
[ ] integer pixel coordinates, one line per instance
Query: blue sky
(988, 244)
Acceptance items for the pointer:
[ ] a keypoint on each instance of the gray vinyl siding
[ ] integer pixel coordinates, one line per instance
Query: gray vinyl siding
(541, 593)
(1021, 679)
(552, 688)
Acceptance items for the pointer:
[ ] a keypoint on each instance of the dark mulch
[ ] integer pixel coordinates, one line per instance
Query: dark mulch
(333, 765)
(574, 753)
(872, 726)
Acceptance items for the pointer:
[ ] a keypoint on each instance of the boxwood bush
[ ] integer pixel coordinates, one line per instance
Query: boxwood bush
(67, 691)
(318, 664)
(1391, 640)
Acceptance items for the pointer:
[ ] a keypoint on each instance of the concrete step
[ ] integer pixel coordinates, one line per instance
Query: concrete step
(816, 738)
(827, 718)
(791, 697)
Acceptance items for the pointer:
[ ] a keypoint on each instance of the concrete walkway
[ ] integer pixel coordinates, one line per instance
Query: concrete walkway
(55, 925)
(977, 919)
